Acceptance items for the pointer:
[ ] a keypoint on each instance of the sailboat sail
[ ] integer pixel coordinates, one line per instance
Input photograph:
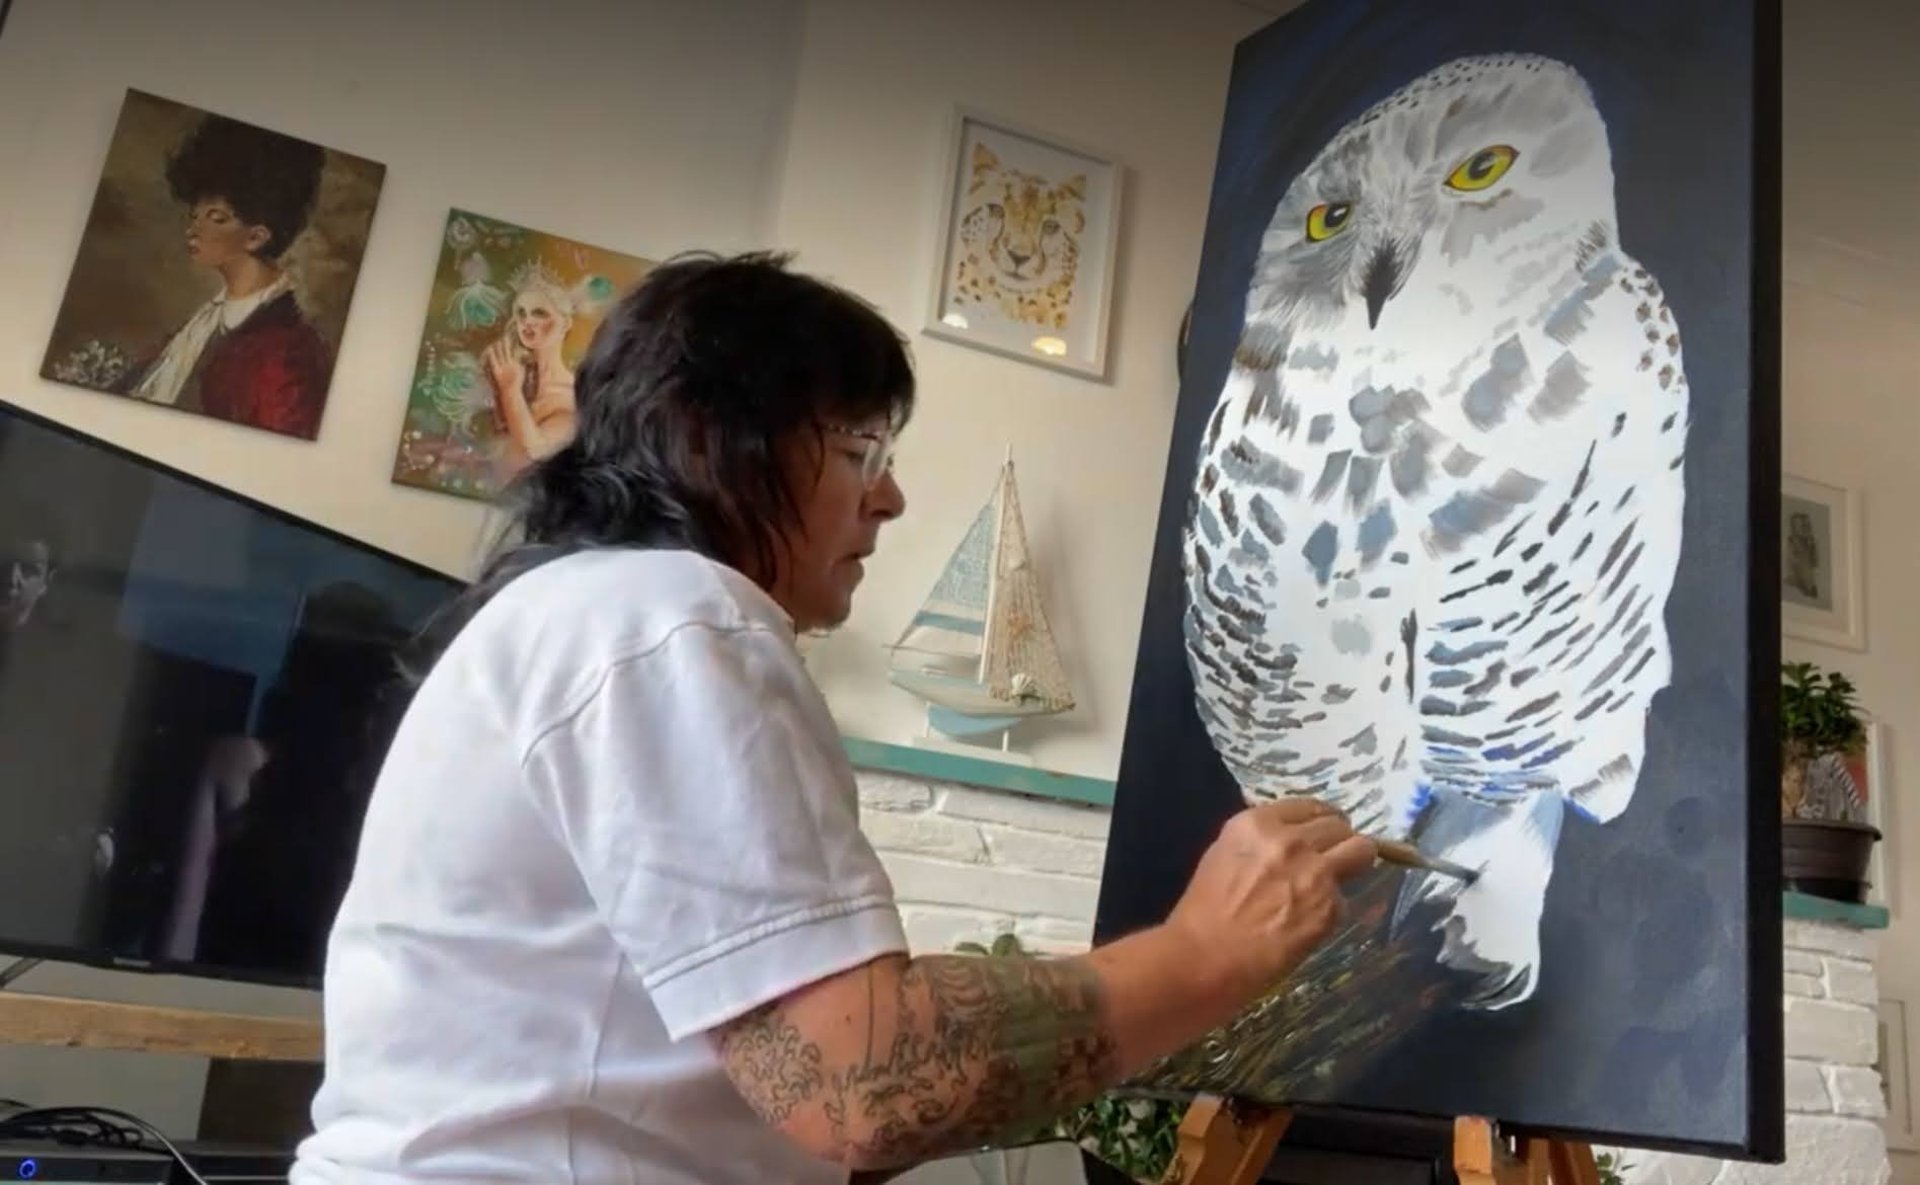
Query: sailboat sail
(986, 609)
(952, 621)
(1023, 663)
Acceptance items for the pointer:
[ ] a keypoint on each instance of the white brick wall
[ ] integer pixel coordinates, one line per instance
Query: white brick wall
(970, 864)
(1834, 1104)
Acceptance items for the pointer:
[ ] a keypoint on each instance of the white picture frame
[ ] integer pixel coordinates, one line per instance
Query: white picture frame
(977, 297)
(1883, 872)
(1821, 564)
(1894, 1082)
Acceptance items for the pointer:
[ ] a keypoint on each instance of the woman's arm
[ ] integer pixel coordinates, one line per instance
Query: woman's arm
(910, 1060)
(903, 1060)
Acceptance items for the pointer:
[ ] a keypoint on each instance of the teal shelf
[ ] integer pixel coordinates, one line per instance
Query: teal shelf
(977, 771)
(1805, 907)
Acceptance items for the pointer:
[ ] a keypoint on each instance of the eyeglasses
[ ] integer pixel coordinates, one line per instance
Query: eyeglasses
(876, 454)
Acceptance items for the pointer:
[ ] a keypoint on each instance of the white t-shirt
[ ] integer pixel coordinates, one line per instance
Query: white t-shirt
(617, 814)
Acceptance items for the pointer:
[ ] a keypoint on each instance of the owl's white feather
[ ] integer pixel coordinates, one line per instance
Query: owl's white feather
(1438, 507)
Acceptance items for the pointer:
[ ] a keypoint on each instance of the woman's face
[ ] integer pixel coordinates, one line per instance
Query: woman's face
(841, 513)
(537, 322)
(216, 236)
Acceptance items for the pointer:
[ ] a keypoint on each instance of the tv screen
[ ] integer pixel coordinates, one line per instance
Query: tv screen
(196, 692)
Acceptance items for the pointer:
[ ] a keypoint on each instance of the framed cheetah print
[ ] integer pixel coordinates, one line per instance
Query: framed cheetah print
(1470, 528)
(1027, 239)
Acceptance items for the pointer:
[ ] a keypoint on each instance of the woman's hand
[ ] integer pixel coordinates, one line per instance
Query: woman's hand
(1267, 892)
(505, 371)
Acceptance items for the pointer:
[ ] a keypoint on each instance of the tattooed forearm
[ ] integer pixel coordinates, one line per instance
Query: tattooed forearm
(768, 1059)
(941, 1055)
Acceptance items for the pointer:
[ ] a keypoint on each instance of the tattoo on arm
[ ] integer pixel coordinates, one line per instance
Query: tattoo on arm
(958, 1051)
(784, 1070)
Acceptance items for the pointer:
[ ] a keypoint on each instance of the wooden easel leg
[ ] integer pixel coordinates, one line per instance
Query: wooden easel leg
(1481, 1157)
(1573, 1164)
(1225, 1143)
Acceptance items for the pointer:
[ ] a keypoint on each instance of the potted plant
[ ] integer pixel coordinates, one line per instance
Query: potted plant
(1826, 840)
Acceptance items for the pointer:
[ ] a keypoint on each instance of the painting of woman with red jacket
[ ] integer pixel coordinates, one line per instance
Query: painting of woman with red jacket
(223, 328)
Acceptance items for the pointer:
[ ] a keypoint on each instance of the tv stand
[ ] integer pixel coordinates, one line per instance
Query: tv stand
(261, 1071)
(66, 1023)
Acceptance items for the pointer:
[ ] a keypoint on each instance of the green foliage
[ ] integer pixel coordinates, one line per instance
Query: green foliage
(1135, 1135)
(1612, 1169)
(1817, 711)
(1003, 945)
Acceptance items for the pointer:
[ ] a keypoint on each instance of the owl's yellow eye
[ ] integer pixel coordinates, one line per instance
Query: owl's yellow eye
(1327, 220)
(1482, 169)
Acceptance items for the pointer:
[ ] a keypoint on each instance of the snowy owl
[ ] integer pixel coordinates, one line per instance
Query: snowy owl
(1438, 503)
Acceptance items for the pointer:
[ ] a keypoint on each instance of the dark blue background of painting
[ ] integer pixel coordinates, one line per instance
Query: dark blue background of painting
(1643, 1027)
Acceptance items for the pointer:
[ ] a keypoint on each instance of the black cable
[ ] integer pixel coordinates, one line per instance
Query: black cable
(98, 1127)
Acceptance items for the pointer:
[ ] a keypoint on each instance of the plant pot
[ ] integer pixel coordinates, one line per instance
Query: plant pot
(1826, 858)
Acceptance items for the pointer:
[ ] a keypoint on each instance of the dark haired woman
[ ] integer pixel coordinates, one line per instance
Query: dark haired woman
(248, 355)
(613, 918)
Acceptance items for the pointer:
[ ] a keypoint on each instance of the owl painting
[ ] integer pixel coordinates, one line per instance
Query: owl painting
(1467, 531)
(1438, 509)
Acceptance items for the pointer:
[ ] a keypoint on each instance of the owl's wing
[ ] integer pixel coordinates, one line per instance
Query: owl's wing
(1562, 599)
(1561, 563)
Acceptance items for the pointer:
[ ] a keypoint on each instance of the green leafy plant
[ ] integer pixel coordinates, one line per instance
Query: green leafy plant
(1613, 1170)
(1822, 732)
(1138, 1136)
(1818, 713)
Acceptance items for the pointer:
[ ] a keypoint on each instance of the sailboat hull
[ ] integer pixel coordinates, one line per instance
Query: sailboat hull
(967, 697)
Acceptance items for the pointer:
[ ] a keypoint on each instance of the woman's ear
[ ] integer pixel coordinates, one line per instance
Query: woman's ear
(257, 239)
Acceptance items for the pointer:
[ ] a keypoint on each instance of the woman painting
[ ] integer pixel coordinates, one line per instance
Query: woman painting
(532, 384)
(248, 354)
(613, 917)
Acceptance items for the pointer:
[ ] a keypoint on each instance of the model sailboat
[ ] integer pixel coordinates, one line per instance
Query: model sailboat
(979, 651)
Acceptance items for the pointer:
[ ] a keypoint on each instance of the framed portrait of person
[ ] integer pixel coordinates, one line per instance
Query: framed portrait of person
(216, 269)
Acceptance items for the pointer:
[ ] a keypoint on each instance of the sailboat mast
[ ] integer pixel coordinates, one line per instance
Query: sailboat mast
(993, 567)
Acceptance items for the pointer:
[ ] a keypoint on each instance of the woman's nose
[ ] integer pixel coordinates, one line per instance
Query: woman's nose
(886, 500)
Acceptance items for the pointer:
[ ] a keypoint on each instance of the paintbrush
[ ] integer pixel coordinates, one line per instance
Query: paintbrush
(1392, 851)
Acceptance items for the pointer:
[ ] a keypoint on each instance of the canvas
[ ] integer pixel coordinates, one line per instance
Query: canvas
(216, 268)
(1473, 447)
(511, 313)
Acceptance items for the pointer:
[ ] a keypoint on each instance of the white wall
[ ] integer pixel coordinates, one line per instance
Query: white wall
(1144, 80)
(648, 127)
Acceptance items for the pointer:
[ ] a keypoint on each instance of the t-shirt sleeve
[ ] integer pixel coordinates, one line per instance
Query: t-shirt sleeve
(706, 799)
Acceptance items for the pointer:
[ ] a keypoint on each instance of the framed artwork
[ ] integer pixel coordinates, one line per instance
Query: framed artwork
(511, 313)
(1894, 1085)
(1821, 564)
(1028, 236)
(1468, 529)
(216, 268)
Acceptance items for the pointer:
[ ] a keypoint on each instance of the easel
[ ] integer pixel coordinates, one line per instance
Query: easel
(1227, 1143)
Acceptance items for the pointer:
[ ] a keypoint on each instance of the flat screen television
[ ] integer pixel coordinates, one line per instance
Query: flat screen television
(196, 692)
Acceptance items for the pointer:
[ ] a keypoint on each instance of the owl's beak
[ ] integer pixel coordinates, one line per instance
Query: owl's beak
(1384, 273)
